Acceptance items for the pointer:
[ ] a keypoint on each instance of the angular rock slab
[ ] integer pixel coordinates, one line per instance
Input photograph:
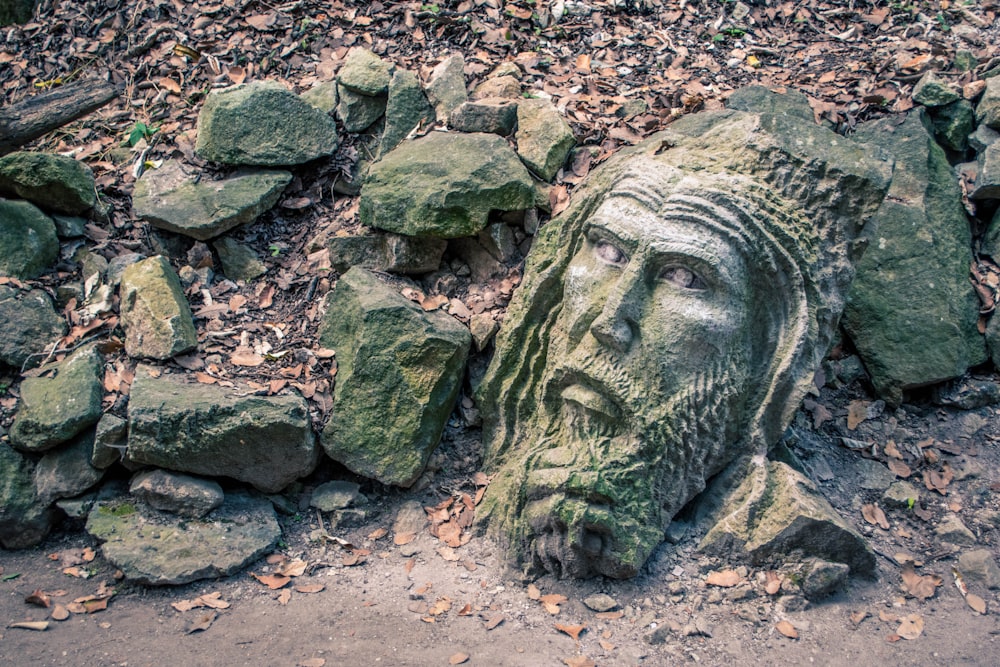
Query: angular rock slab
(776, 511)
(988, 108)
(912, 311)
(263, 123)
(158, 549)
(29, 323)
(988, 177)
(406, 109)
(52, 182)
(212, 431)
(239, 262)
(28, 241)
(446, 86)
(544, 139)
(24, 520)
(357, 111)
(154, 311)
(414, 191)
(66, 472)
(172, 199)
(175, 493)
(399, 372)
(365, 73)
(61, 403)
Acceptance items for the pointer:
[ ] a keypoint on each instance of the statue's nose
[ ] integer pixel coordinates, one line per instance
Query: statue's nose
(617, 325)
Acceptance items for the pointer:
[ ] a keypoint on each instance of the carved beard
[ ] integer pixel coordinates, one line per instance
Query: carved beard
(600, 489)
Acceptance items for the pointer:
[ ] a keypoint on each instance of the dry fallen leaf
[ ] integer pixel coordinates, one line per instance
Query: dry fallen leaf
(448, 554)
(533, 592)
(773, 583)
(458, 659)
(920, 587)
(403, 538)
(30, 625)
(858, 616)
(787, 629)
(494, 621)
(899, 469)
(911, 626)
(284, 597)
(293, 568)
(202, 623)
(378, 534)
(272, 581)
(308, 588)
(874, 515)
(976, 603)
(571, 630)
(579, 661)
(724, 579)
(39, 598)
(857, 412)
(610, 615)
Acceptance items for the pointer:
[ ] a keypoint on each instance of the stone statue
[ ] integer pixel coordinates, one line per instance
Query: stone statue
(668, 326)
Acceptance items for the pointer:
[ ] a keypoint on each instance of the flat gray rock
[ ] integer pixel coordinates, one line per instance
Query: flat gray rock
(365, 73)
(28, 244)
(263, 123)
(173, 199)
(406, 109)
(66, 472)
(988, 108)
(29, 323)
(158, 549)
(59, 404)
(446, 86)
(336, 495)
(175, 493)
(52, 182)
(357, 111)
(239, 262)
(413, 191)
(544, 139)
(24, 520)
(216, 432)
(988, 179)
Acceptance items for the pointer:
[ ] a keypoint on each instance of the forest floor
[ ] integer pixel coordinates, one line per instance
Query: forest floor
(392, 598)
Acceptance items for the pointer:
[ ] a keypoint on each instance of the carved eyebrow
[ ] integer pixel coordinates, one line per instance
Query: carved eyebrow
(617, 237)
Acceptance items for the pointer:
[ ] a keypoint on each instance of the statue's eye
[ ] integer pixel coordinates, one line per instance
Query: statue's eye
(682, 277)
(610, 254)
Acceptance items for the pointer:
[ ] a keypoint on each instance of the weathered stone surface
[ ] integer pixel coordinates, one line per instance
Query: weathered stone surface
(60, 404)
(411, 518)
(399, 371)
(544, 139)
(365, 73)
(979, 565)
(110, 440)
(336, 495)
(901, 495)
(66, 472)
(323, 96)
(413, 191)
(406, 108)
(154, 311)
(212, 431)
(932, 91)
(953, 123)
(820, 578)
(28, 243)
(600, 602)
(379, 251)
(29, 323)
(52, 182)
(158, 549)
(776, 511)
(988, 177)
(988, 108)
(953, 529)
(24, 520)
(983, 137)
(602, 377)
(494, 115)
(176, 494)
(358, 112)
(263, 123)
(505, 86)
(446, 86)
(913, 282)
(239, 262)
(758, 99)
(177, 200)
(69, 226)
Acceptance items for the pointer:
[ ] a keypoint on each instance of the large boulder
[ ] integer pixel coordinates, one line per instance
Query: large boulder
(380, 251)
(216, 432)
(406, 109)
(399, 372)
(173, 199)
(263, 123)
(544, 139)
(60, 403)
(52, 182)
(158, 549)
(28, 241)
(29, 323)
(177, 494)
(912, 311)
(413, 191)
(24, 521)
(155, 314)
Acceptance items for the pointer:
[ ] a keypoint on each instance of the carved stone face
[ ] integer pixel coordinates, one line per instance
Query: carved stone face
(668, 324)
(646, 363)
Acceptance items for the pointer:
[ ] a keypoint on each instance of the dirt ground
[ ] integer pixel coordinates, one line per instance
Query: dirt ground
(419, 604)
